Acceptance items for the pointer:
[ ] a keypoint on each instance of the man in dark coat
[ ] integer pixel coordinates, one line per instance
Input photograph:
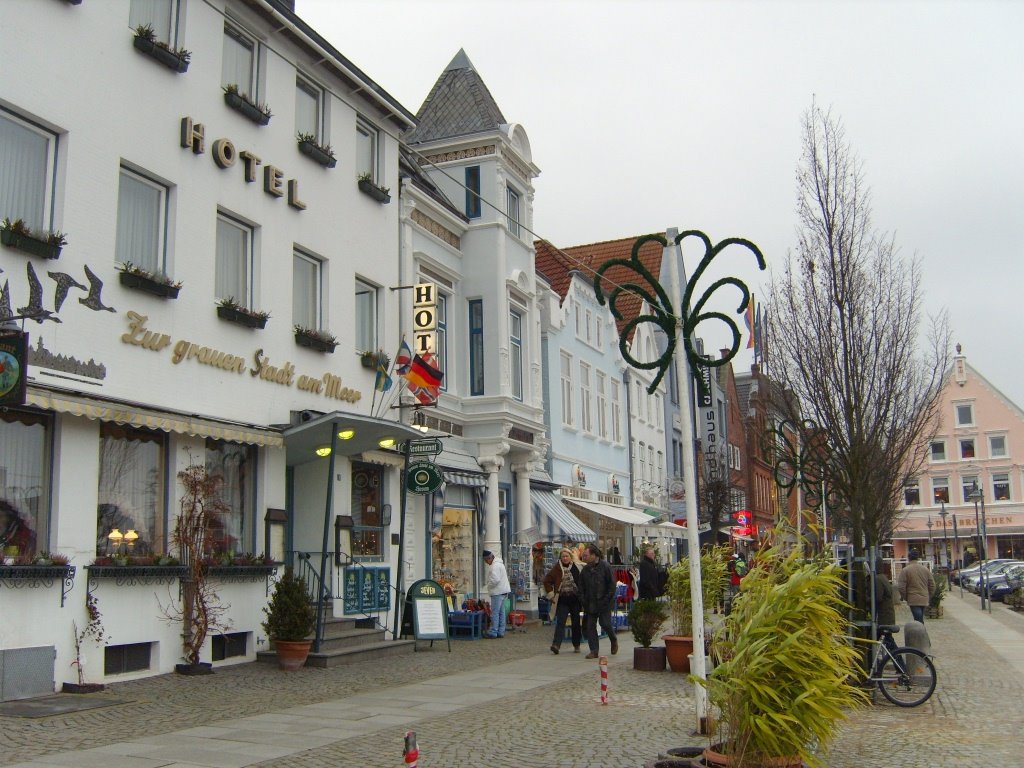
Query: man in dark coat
(650, 576)
(597, 594)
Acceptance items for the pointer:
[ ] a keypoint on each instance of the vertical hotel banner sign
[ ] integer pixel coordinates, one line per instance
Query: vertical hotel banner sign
(13, 367)
(424, 319)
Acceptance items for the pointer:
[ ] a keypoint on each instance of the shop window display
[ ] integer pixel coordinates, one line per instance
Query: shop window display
(233, 466)
(367, 507)
(132, 490)
(452, 548)
(24, 482)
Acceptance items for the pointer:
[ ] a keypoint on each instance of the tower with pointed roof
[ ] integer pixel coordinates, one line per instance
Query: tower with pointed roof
(466, 218)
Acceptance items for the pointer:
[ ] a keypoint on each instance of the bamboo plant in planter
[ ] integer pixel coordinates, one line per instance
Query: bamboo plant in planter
(290, 621)
(679, 644)
(786, 673)
(646, 618)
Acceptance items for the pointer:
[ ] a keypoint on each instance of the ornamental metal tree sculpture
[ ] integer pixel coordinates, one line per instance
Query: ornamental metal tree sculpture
(633, 279)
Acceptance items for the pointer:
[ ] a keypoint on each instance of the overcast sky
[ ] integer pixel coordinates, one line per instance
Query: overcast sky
(645, 115)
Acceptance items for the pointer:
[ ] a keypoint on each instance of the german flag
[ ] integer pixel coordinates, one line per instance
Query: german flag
(422, 374)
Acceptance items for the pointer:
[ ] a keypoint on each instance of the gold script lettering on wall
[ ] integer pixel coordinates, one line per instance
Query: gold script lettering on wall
(328, 385)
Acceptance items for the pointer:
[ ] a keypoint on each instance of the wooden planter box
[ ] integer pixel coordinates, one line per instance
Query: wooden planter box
(247, 319)
(242, 105)
(320, 345)
(317, 154)
(372, 190)
(29, 245)
(149, 285)
(161, 53)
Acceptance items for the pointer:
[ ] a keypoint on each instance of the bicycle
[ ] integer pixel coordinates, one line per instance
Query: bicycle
(905, 676)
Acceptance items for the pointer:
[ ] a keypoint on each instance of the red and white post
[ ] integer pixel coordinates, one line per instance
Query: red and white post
(603, 664)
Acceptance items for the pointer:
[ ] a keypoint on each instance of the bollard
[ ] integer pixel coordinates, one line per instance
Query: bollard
(603, 663)
(916, 636)
(411, 753)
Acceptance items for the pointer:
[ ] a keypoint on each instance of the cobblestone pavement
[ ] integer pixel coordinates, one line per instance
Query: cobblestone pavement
(976, 717)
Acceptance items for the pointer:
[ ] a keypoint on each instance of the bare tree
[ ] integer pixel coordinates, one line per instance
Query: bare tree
(716, 494)
(844, 335)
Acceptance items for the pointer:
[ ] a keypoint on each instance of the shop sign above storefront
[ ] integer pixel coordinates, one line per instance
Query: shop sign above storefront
(423, 477)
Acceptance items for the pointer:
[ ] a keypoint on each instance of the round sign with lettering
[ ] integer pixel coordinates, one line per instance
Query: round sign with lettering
(423, 477)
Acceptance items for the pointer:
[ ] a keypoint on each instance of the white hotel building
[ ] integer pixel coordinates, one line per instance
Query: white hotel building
(138, 161)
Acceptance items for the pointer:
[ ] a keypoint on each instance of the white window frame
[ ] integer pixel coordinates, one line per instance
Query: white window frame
(642, 456)
(956, 414)
(143, 12)
(310, 89)
(598, 333)
(514, 209)
(602, 405)
(586, 397)
(991, 447)
(250, 89)
(931, 452)
(316, 320)
(589, 321)
(367, 132)
(248, 257)
(1001, 478)
(912, 485)
(967, 482)
(155, 262)
(515, 350)
(565, 363)
(616, 411)
(40, 217)
(938, 483)
(960, 448)
(367, 313)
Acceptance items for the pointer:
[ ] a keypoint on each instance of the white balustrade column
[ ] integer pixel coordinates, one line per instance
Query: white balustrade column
(492, 520)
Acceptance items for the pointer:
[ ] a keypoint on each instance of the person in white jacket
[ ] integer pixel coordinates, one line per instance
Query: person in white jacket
(498, 588)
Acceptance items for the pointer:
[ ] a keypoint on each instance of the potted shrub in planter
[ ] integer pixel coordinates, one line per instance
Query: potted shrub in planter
(321, 153)
(290, 620)
(257, 112)
(321, 341)
(146, 42)
(679, 644)
(786, 674)
(16, 234)
(230, 310)
(935, 601)
(645, 620)
(369, 187)
(155, 283)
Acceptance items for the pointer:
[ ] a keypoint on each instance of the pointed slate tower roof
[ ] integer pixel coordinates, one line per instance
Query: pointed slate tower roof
(458, 104)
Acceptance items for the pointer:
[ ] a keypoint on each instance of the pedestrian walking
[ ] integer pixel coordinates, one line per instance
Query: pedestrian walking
(562, 587)
(499, 589)
(916, 585)
(652, 576)
(597, 592)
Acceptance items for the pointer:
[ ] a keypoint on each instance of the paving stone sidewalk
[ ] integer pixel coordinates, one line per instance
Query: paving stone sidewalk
(976, 718)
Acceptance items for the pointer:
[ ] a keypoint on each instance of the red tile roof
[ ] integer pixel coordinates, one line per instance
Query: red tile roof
(557, 266)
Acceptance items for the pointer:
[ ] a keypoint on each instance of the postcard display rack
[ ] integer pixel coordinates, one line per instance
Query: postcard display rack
(453, 550)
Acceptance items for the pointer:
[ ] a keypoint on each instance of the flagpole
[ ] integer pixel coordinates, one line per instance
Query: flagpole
(684, 385)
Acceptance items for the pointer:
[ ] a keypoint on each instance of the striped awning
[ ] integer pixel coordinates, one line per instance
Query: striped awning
(149, 418)
(555, 521)
(627, 515)
(465, 478)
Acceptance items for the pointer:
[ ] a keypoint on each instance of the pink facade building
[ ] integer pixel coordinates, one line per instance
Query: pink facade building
(973, 467)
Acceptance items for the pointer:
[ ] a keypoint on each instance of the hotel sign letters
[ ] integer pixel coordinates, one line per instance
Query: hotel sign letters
(424, 318)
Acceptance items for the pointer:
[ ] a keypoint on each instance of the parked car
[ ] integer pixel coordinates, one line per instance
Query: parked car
(991, 568)
(1005, 581)
(961, 574)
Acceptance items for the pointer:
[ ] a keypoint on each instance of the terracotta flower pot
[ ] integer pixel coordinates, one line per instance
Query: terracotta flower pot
(714, 758)
(678, 649)
(291, 654)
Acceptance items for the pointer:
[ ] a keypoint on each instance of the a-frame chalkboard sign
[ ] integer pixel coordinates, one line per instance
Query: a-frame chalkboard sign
(426, 612)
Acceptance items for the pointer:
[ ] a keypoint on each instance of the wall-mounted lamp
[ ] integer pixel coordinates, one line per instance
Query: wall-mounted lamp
(346, 434)
(323, 450)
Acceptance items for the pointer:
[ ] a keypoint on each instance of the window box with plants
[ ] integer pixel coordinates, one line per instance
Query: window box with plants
(39, 570)
(16, 234)
(173, 58)
(156, 283)
(258, 112)
(320, 153)
(369, 187)
(132, 570)
(230, 310)
(228, 566)
(321, 341)
(373, 360)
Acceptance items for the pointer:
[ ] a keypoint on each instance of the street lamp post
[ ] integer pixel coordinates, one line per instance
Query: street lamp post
(945, 540)
(978, 495)
(931, 543)
(959, 556)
